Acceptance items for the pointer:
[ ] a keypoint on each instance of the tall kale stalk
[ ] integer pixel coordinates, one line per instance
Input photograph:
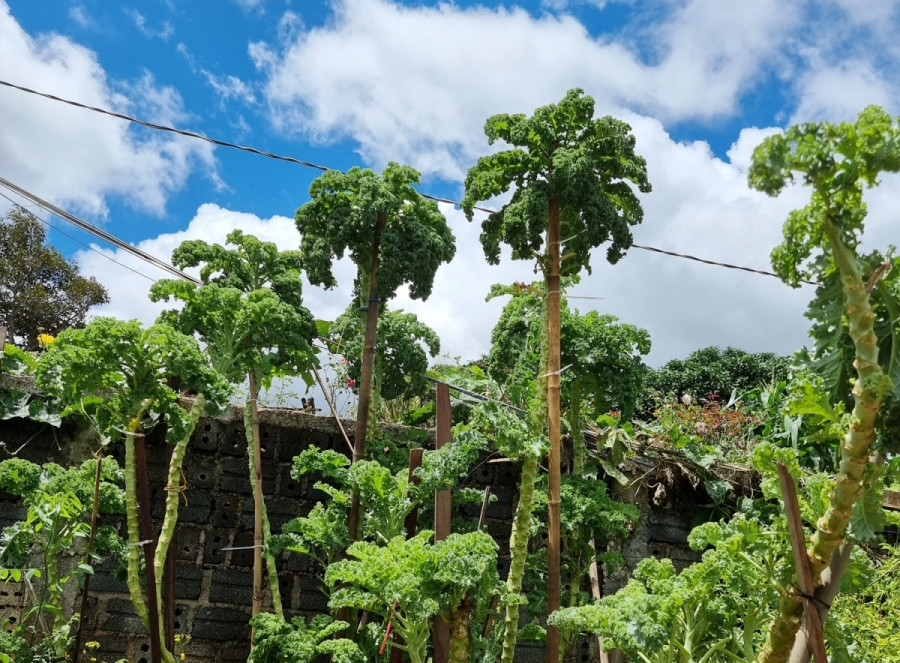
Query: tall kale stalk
(573, 178)
(249, 314)
(393, 235)
(838, 161)
(117, 374)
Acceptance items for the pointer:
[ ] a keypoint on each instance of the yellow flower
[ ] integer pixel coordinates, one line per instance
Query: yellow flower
(45, 341)
(182, 656)
(93, 644)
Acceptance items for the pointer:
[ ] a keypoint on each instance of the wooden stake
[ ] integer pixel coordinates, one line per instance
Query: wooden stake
(553, 379)
(816, 638)
(145, 525)
(2, 336)
(596, 594)
(440, 634)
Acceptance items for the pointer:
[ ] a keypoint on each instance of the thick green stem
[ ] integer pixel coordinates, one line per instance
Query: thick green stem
(261, 529)
(518, 551)
(173, 494)
(368, 288)
(868, 393)
(134, 537)
(460, 639)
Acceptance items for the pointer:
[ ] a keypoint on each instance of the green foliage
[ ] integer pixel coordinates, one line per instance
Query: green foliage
(590, 520)
(18, 476)
(14, 403)
(16, 361)
(509, 432)
(445, 467)
(278, 641)
(838, 161)
(714, 608)
(58, 507)
(715, 371)
(249, 310)
(602, 355)
(412, 580)
(868, 619)
(560, 152)
(402, 348)
(341, 218)
(40, 291)
(113, 370)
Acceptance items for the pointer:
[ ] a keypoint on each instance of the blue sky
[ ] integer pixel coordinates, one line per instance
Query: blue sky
(362, 82)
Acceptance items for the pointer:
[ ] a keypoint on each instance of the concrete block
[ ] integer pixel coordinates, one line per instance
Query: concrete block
(187, 542)
(214, 623)
(188, 581)
(216, 539)
(205, 436)
(243, 557)
(233, 441)
(235, 476)
(200, 471)
(279, 511)
(119, 616)
(231, 586)
(224, 512)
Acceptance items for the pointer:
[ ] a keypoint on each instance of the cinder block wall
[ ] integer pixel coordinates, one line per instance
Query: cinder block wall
(215, 529)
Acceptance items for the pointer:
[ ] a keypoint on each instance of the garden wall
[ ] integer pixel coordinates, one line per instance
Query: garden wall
(215, 530)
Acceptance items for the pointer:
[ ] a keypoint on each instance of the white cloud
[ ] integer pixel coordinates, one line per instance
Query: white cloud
(415, 83)
(80, 16)
(128, 291)
(230, 87)
(77, 158)
(163, 32)
(839, 92)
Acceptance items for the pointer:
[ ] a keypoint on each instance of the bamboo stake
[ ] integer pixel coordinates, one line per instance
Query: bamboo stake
(553, 371)
(831, 582)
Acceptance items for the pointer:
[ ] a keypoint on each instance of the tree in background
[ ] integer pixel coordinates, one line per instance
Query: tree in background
(249, 313)
(838, 161)
(715, 371)
(394, 236)
(402, 349)
(40, 291)
(573, 178)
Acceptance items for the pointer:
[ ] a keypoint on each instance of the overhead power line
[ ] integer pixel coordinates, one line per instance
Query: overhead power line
(99, 232)
(78, 241)
(309, 164)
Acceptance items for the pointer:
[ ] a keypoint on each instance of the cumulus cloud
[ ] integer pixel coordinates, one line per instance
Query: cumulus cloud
(423, 99)
(416, 83)
(212, 223)
(78, 158)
